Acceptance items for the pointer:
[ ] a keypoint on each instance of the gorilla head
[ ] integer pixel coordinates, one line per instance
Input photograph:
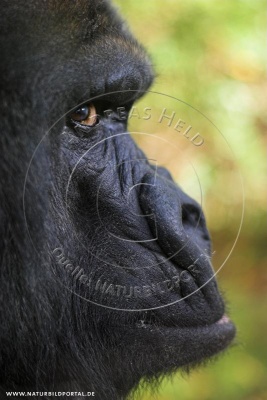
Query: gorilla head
(105, 262)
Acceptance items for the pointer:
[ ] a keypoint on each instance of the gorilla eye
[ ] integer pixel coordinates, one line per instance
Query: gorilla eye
(85, 115)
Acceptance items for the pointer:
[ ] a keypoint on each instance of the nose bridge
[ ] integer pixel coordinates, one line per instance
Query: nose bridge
(174, 218)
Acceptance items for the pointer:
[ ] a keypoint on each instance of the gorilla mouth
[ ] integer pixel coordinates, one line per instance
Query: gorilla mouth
(206, 340)
(225, 328)
(224, 324)
(222, 332)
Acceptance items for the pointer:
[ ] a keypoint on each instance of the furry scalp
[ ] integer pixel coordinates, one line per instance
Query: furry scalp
(65, 207)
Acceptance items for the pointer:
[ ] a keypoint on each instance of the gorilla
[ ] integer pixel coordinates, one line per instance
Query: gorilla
(106, 275)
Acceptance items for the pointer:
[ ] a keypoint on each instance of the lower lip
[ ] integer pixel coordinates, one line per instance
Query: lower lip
(223, 320)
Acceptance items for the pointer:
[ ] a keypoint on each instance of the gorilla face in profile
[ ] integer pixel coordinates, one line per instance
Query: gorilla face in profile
(105, 262)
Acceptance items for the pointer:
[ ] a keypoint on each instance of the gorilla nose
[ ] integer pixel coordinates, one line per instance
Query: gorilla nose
(175, 219)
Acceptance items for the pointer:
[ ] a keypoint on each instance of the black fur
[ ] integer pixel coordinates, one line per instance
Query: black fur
(58, 331)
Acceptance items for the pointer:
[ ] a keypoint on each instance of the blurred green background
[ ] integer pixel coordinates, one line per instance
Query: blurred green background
(212, 55)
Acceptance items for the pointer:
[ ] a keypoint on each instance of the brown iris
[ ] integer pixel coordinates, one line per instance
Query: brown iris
(85, 115)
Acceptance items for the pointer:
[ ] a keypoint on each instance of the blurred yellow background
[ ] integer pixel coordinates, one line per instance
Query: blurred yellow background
(212, 56)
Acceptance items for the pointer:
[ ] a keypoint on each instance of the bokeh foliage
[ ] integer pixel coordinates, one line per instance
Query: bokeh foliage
(212, 55)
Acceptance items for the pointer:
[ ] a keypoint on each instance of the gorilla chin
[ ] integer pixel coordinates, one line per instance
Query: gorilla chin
(106, 275)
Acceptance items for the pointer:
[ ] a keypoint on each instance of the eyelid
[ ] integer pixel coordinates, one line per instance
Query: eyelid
(83, 130)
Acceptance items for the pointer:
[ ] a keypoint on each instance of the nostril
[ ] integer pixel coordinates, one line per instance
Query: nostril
(193, 221)
(192, 215)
